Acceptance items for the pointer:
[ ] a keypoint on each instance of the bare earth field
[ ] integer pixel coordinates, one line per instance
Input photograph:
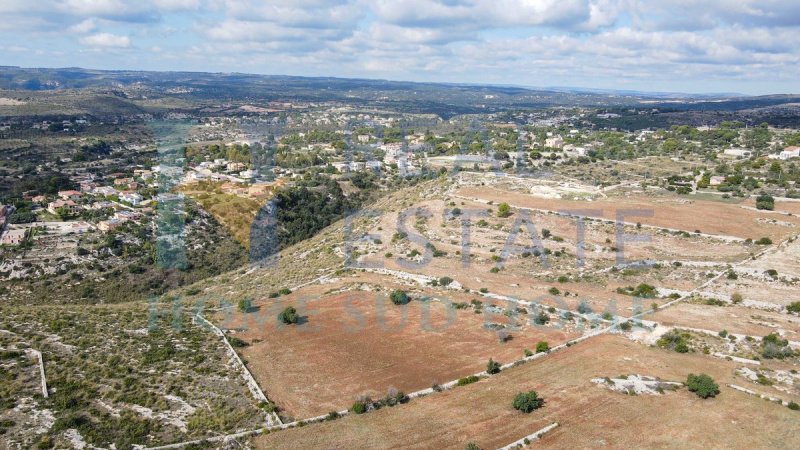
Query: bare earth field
(589, 415)
(734, 319)
(670, 212)
(353, 346)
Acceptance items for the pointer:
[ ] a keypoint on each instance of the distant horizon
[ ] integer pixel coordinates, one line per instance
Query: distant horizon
(584, 89)
(750, 47)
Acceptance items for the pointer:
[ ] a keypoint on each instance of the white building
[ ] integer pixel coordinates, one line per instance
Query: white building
(554, 142)
(133, 198)
(789, 152)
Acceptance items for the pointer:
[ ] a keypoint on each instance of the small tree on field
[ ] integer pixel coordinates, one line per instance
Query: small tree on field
(765, 201)
(493, 367)
(702, 385)
(399, 297)
(289, 316)
(245, 305)
(527, 401)
(542, 347)
(503, 210)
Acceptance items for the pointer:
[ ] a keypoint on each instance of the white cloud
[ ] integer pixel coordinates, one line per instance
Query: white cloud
(106, 40)
(84, 26)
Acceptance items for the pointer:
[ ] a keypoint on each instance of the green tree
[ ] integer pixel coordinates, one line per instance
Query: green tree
(527, 401)
(503, 210)
(542, 347)
(702, 385)
(289, 316)
(493, 367)
(245, 305)
(765, 201)
(399, 297)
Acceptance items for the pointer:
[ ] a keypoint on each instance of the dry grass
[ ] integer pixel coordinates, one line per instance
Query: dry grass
(590, 415)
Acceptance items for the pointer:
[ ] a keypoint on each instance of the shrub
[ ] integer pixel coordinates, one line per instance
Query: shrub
(584, 308)
(492, 367)
(245, 305)
(553, 291)
(542, 347)
(289, 316)
(359, 407)
(527, 401)
(528, 353)
(736, 298)
(625, 326)
(793, 406)
(285, 291)
(445, 281)
(472, 446)
(541, 319)
(773, 347)
(467, 380)
(503, 210)
(702, 385)
(764, 241)
(236, 342)
(765, 201)
(399, 297)
(674, 340)
(794, 307)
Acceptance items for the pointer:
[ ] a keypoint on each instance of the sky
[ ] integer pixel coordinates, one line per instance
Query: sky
(708, 46)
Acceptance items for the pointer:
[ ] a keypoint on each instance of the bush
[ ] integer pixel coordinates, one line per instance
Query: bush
(472, 446)
(773, 347)
(793, 406)
(553, 291)
(765, 201)
(359, 407)
(764, 241)
(467, 380)
(527, 401)
(794, 307)
(445, 281)
(584, 308)
(736, 298)
(542, 347)
(492, 367)
(399, 297)
(245, 305)
(503, 210)
(702, 385)
(674, 340)
(236, 342)
(289, 316)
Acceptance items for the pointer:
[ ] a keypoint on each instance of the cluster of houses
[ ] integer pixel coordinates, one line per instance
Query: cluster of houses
(784, 155)
(220, 170)
(119, 193)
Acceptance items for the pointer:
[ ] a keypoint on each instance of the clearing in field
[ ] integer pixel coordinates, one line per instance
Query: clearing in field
(710, 217)
(356, 342)
(589, 415)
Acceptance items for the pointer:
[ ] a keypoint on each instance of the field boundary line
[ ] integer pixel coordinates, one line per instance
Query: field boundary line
(531, 437)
